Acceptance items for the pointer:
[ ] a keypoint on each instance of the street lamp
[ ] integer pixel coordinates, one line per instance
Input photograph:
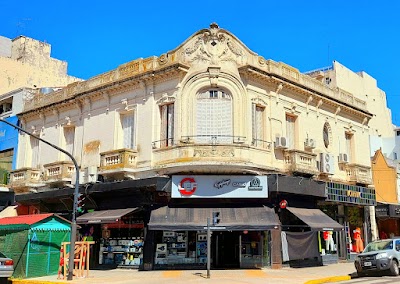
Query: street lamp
(76, 192)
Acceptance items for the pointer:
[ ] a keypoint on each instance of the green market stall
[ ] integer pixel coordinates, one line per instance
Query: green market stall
(33, 242)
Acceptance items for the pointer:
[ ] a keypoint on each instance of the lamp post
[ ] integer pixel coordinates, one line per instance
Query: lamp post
(76, 192)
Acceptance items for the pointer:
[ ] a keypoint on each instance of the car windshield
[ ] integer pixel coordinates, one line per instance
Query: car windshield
(379, 245)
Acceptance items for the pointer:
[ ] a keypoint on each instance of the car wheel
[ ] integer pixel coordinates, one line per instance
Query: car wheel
(394, 268)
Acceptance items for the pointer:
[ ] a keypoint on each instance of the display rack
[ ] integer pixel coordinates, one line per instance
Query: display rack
(173, 249)
(126, 253)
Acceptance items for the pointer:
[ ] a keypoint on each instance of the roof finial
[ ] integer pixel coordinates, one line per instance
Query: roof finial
(214, 25)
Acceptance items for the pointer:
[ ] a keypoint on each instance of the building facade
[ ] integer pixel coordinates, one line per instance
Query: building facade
(232, 133)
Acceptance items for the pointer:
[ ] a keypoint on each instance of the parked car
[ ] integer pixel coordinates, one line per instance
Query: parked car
(382, 255)
(6, 268)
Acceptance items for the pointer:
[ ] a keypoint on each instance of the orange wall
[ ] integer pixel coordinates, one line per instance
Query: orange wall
(385, 179)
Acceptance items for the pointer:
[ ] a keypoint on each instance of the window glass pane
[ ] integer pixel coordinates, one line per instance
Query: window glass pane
(69, 136)
(35, 152)
(290, 130)
(127, 121)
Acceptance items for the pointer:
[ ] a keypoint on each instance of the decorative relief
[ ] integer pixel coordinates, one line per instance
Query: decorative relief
(259, 101)
(213, 153)
(261, 61)
(214, 47)
(129, 69)
(165, 99)
(163, 59)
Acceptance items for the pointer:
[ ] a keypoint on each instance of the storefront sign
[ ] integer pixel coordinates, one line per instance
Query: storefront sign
(382, 211)
(394, 211)
(352, 194)
(203, 186)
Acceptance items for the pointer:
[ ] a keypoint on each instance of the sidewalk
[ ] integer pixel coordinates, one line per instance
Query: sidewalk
(309, 275)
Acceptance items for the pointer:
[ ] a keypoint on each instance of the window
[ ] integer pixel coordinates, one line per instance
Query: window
(349, 146)
(69, 138)
(214, 117)
(6, 158)
(258, 125)
(128, 130)
(291, 130)
(394, 155)
(398, 133)
(167, 125)
(34, 143)
(326, 134)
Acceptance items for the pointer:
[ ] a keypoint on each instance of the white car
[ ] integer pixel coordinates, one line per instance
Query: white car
(6, 268)
(382, 255)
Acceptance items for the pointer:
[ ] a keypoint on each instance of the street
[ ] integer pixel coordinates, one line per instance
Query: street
(374, 280)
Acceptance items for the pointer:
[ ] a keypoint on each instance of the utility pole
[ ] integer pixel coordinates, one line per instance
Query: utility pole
(76, 192)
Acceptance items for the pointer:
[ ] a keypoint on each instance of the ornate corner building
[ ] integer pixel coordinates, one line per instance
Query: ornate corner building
(209, 127)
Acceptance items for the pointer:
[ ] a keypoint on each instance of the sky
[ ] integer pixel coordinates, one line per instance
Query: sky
(98, 36)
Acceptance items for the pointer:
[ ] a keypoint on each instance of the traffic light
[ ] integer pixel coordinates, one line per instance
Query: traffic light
(215, 218)
(80, 203)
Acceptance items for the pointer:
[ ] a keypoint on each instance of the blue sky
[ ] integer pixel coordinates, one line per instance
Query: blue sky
(97, 36)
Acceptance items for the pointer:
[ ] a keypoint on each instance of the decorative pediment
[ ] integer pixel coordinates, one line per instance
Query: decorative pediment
(166, 99)
(214, 46)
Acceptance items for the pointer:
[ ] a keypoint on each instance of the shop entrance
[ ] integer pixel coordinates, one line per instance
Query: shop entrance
(225, 249)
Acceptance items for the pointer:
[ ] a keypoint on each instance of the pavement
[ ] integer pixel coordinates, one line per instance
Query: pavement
(307, 275)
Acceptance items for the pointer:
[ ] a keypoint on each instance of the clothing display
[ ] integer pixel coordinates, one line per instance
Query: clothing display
(329, 243)
(358, 242)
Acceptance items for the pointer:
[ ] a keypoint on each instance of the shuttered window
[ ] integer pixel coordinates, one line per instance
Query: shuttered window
(291, 131)
(167, 125)
(128, 130)
(214, 117)
(349, 146)
(258, 125)
(69, 136)
(34, 152)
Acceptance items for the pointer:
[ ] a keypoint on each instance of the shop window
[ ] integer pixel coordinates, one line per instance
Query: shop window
(258, 119)
(167, 125)
(291, 130)
(214, 117)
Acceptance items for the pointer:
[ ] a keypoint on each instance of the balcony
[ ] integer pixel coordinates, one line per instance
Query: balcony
(118, 163)
(62, 171)
(22, 180)
(300, 162)
(358, 174)
(213, 154)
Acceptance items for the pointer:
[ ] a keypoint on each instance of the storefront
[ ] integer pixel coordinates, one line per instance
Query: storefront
(349, 205)
(241, 223)
(118, 236)
(303, 224)
(388, 217)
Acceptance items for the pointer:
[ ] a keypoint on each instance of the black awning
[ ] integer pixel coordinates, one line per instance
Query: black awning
(233, 219)
(296, 185)
(316, 219)
(104, 216)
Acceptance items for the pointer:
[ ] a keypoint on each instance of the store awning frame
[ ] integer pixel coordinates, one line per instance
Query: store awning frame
(104, 216)
(316, 219)
(231, 219)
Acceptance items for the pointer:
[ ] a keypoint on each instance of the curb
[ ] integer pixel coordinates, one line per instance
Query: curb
(30, 281)
(329, 279)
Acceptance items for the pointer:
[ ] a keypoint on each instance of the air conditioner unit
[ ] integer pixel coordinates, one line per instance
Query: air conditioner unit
(309, 143)
(327, 163)
(91, 174)
(280, 143)
(343, 158)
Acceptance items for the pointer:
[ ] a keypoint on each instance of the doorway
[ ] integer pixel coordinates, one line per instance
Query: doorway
(225, 249)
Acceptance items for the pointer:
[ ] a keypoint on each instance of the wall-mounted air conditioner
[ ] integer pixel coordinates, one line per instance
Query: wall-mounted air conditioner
(327, 163)
(91, 174)
(343, 158)
(281, 142)
(309, 143)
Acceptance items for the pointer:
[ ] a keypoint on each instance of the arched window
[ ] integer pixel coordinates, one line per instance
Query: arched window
(214, 117)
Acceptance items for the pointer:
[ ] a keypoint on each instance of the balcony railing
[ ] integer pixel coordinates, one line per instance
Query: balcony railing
(162, 143)
(358, 173)
(59, 171)
(118, 159)
(300, 161)
(25, 177)
(261, 144)
(212, 139)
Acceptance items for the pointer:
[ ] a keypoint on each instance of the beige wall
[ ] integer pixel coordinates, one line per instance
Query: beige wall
(30, 65)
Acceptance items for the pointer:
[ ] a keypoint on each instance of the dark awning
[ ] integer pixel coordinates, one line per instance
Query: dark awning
(316, 219)
(233, 219)
(103, 217)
